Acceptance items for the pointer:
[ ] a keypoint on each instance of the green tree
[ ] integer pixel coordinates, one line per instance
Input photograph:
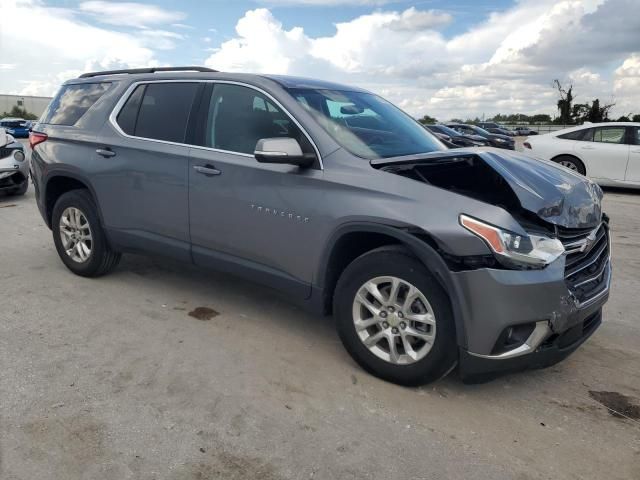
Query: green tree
(18, 112)
(565, 103)
(636, 118)
(427, 120)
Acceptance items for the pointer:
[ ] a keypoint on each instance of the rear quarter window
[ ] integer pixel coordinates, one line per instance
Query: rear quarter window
(576, 135)
(73, 101)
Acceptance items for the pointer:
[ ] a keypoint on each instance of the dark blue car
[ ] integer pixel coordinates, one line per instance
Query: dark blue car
(17, 127)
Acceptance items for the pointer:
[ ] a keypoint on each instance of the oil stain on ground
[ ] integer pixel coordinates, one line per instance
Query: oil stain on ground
(203, 313)
(619, 405)
(226, 466)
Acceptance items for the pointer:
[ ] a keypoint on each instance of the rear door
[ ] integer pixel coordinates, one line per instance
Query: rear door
(604, 152)
(633, 168)
(142, 166)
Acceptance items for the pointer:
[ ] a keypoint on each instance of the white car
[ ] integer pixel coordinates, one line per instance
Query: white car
(608, 153)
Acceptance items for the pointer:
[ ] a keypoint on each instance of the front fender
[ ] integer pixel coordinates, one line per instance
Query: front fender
(422, 250)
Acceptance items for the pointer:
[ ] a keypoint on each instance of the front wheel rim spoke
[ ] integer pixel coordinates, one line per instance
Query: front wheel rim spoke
(425, 336)
(408, 348)
(367, 304)
(373, 340)
(425, 318)
(364, 324)
(394, 356)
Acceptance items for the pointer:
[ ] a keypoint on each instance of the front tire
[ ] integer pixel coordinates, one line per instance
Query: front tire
(394, 318)
(79, 237)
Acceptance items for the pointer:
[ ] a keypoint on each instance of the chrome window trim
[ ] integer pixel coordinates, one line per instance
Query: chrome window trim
(125, 96)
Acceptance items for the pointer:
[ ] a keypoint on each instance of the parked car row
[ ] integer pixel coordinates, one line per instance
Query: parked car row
(17, 127)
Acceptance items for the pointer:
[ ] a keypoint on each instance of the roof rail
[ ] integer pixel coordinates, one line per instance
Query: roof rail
(148, 70)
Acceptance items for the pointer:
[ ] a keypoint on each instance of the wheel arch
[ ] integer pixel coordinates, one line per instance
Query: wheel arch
(58, 183)
(571, 155)
(351, 240)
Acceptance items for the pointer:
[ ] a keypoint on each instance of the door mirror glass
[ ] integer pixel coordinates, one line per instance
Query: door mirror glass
(281, 150)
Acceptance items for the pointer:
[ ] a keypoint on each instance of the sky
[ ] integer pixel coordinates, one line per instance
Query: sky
(443, 58)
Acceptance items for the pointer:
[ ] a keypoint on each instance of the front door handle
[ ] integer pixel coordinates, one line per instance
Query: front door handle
(105, 152)
(588, 148)
(207, 170)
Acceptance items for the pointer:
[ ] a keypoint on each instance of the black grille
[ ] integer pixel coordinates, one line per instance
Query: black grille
(587, 261)
(5, 152)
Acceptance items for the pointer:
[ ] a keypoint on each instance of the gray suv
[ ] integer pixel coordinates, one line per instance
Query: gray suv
(427, 258)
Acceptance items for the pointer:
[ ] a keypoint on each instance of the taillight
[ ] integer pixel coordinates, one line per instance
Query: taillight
(35, 138)
(527, 145)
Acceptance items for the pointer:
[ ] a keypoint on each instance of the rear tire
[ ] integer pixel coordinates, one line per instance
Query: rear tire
(572, 163)
(79, 237)
(420, 361)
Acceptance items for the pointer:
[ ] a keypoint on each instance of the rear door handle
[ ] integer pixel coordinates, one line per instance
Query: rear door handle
(105, 152)
(207, 170)
(588, 148)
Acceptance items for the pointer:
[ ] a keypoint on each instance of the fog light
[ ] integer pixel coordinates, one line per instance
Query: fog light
(512, 337)
(18, 155)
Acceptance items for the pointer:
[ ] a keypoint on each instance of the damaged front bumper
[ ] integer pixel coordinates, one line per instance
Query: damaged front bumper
(13, 172)
(516, 320)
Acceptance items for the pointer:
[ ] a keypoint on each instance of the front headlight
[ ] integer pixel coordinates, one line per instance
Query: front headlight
(19, 155)
(500, 140)
(514, 249)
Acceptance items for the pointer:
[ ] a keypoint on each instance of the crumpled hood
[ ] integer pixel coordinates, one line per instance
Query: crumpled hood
(552, 192)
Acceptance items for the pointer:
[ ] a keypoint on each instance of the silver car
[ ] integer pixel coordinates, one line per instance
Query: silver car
(14, 166)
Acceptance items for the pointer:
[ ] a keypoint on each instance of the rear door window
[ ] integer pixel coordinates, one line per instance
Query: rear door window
(163, 111)
(73, 101)
(609, 134)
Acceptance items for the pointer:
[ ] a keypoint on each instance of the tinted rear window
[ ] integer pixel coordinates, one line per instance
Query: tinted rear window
(72, 102)
(161, 112)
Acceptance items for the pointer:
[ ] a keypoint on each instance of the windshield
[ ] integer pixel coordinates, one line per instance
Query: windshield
(480, 131)
(366, 125)
(448, 131)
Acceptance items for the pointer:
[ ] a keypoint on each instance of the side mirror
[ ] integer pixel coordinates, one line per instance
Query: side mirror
(283, 150)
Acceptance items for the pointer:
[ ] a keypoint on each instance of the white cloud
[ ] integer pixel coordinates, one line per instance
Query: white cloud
(504, 64)
(325, 3)
(412, 20)
(626, 85)
(129, 13)
(63, 44)
(160, 39)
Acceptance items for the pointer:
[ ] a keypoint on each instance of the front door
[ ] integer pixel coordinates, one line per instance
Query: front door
(246, 217)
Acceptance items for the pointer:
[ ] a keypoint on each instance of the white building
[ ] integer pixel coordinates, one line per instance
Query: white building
(35, 105)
